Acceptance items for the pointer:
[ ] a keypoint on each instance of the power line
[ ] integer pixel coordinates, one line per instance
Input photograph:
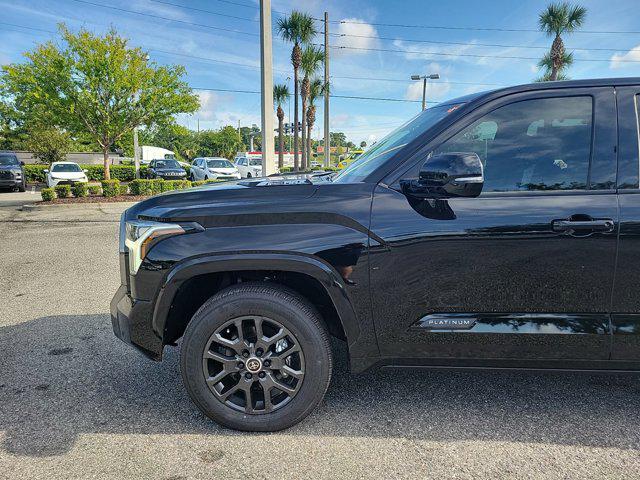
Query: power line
(167, 18)
(202, 10)
(470, 44)
(353, 97)
(473, 55)
(481, 29)
(378, 37)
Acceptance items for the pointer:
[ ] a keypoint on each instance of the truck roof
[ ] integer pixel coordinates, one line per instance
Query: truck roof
(586, 83)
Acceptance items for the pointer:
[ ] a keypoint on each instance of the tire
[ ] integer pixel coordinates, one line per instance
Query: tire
(303, 326)
(22, 187)
(248, 175)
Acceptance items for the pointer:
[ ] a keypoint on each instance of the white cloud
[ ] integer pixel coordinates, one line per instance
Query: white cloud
(435, 90)
(622, 60)
(358, 35)
(208, 103)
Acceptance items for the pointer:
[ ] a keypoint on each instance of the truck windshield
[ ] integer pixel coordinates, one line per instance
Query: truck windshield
(8, 160)
(382, 151)
(66, 167)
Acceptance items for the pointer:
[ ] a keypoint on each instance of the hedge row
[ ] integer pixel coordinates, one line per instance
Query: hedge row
(113, 188)
(124, 173)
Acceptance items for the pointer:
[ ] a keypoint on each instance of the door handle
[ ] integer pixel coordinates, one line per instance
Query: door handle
(600, 225)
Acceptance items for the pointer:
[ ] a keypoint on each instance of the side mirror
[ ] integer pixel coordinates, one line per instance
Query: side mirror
(85, 170)
(46, 170)
(21, 163)
(448, 175)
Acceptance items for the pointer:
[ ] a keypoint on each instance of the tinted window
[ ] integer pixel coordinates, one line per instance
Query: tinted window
(255, 162)
(9, 160)
(66, 167)
(383, 150)
(542, 144)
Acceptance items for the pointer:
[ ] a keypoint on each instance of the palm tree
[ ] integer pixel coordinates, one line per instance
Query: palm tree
(555, 20)
(312, 58)
(316, 90)
(280, 95)
(547, 63)
(297, 28)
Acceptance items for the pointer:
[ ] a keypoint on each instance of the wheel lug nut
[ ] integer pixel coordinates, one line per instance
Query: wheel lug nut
(245, 353)
(267, 363)
(248, 376)
(262, 375)
(259, 352)
(240, 365)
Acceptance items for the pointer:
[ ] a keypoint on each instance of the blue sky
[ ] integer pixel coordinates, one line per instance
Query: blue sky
(221, 52)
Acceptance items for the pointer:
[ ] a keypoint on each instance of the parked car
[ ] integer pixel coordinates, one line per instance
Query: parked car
(167, 169)
(12, 175)
(496, 230)
(65, 173)
(213, 168)
(249, 166)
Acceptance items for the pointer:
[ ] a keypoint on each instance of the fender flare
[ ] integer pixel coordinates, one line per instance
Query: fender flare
(284, 262)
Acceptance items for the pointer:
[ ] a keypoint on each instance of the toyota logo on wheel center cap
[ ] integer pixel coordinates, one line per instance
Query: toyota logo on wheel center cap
(254, 365)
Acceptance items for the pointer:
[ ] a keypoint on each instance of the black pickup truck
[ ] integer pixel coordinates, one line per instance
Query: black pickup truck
(497, 230)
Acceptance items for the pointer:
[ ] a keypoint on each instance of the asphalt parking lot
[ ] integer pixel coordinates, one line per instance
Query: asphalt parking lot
(77, 403)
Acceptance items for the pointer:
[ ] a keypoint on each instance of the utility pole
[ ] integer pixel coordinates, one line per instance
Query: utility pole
(266, 76)
(136, 152)
(327, 142)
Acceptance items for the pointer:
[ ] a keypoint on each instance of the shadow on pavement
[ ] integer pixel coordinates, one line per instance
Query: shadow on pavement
(65, 376)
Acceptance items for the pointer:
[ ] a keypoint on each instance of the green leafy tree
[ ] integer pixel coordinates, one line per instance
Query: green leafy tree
(556, 20)
(312, 58)
(98, 86)
(298, 28)
(280, 95)
(219, 143)
(363, 144)
(49, 144)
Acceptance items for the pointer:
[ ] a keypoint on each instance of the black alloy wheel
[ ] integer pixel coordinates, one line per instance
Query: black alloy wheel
(256, 357)
(253, 364)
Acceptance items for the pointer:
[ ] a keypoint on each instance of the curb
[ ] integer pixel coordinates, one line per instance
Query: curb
(33, 207)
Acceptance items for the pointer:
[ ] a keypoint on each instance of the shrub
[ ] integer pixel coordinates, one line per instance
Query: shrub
(63, 191)
(124, 189)
(140, 187)
(169, 185)
(111, 188)
(35, 173)
(214, 180)
(198, 183)
(80, 190)
(156, 185)
(48, 194)
(95, 190)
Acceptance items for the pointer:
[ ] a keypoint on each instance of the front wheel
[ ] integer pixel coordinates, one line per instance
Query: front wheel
(256, 357)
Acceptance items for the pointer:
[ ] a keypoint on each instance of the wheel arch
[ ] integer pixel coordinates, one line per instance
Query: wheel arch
(192, 282)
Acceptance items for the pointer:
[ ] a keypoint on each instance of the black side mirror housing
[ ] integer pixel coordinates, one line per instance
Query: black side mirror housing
(21, 163)
(447, 175)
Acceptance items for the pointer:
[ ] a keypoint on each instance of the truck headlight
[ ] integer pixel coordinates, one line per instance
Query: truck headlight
(140, 235)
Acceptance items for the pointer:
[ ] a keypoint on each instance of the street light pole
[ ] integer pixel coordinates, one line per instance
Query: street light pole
(433, 76)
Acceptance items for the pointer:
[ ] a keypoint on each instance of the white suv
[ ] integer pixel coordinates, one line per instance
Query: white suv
(213, 168)
(249, 166)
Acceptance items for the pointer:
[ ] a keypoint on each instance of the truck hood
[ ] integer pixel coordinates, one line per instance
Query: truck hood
(243, 197)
